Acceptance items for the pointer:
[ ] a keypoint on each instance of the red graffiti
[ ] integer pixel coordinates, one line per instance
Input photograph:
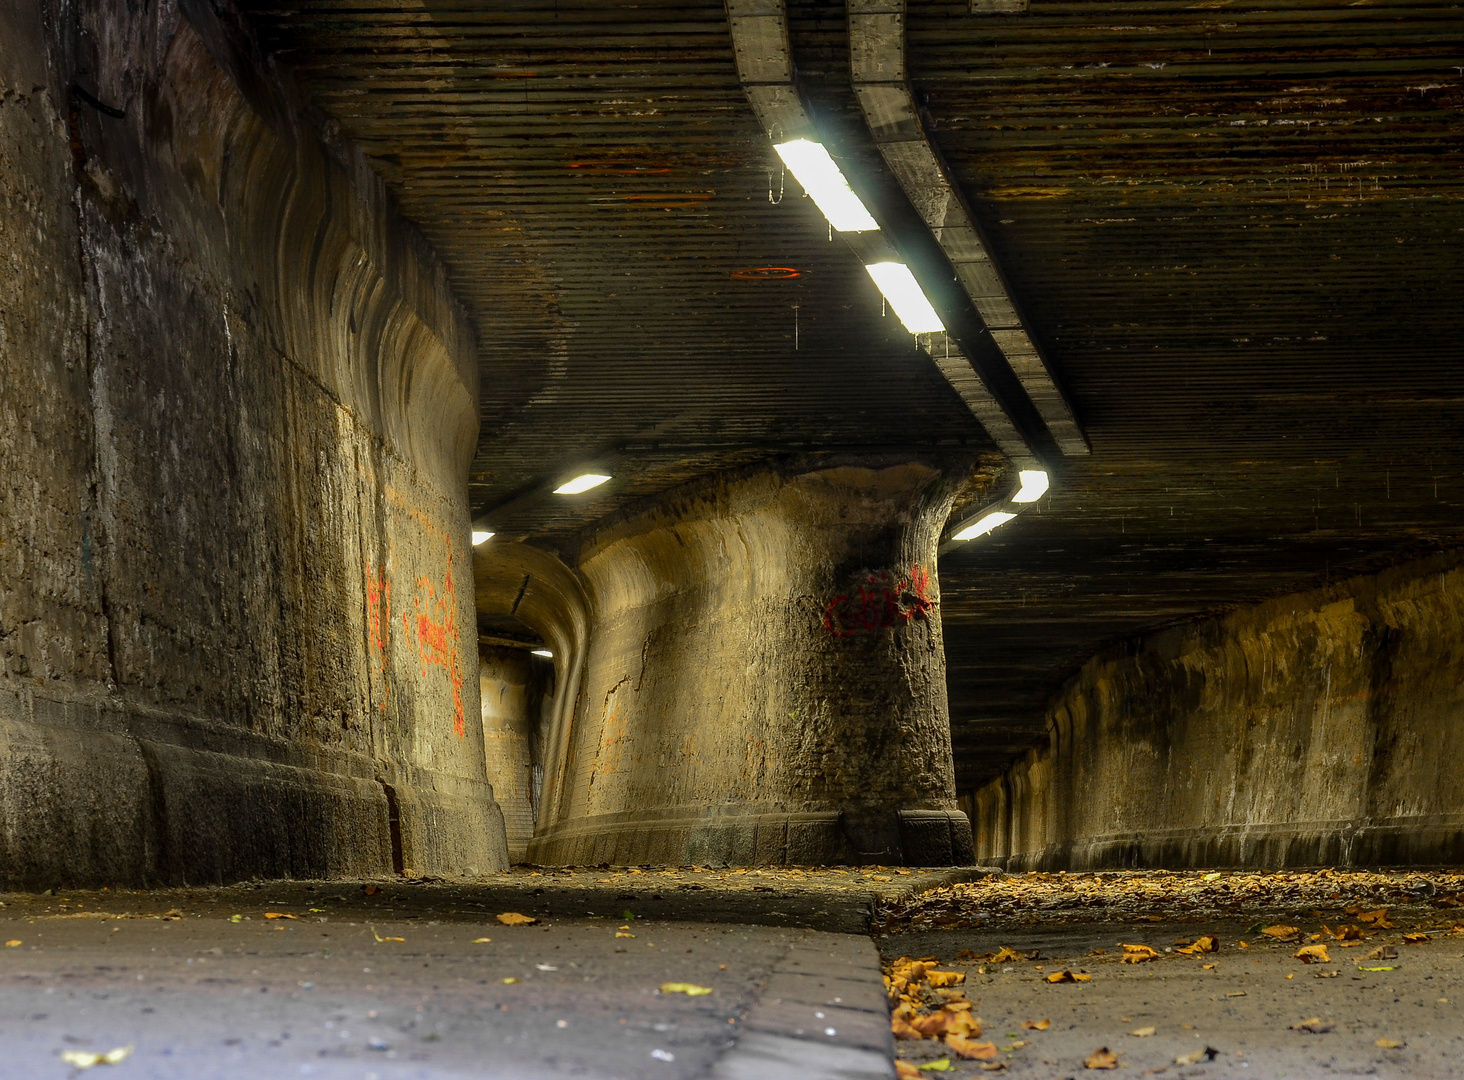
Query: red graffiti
(879, 601)
(437, 636)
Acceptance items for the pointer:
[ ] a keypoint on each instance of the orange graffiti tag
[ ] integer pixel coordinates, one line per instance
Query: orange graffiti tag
(378, 620)
(437, 636)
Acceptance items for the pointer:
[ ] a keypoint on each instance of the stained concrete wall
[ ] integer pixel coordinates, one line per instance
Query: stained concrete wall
(1324, 728)
(763, 680)
(237, 403)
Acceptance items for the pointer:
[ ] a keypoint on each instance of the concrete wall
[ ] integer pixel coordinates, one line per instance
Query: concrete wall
(1322, 728)
(763, 680)
(517, 692)
(237, 403)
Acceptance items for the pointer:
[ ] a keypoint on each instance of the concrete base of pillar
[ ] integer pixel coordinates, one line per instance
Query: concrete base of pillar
(688, 836)
(92, 795)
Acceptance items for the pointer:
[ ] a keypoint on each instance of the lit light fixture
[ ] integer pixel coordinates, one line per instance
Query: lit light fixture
(544, 652)
(581, 483)
(1034, 486)
(984, 526)
(826, 186)
(481, 536)
(905, 295)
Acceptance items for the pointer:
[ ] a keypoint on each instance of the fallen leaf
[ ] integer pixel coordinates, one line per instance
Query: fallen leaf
(1208, 967)
(1004, 955)
(1327, 974)
(1209, 1053)
(1313, 954)
(689, 989)
(1315, 1026)
(1067, 977)
(971, 1049)
(1281, 933)
(1208, 943)
(370, 890)
(1143, 1032)
(1137, 954)
(945, 978)
(1036, 1025)
(279, 915)
(1243, 945)
(513, 918)
(994, 1066)
(481, 940)
(1344, 933)
(623, 934)
(901, 1029)
(1415, 939)
(1102, 1058)
(85, 1059)
(943, 1065)
(12, 943)
(1383, 952)
(378, 937)
(1387, 1044)
(1377, 918)
(549, 967)
(1233, 993)
(510, 980)
(905, 1070)
(1392, 968)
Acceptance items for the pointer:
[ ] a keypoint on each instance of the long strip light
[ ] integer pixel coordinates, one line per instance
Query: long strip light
(581, 483)
(984, 526)
(481, 536)
(810, 163)
(905, 295)
(1034, 486)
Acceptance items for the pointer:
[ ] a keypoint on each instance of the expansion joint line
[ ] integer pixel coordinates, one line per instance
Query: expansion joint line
(877, 71)
(765, 69)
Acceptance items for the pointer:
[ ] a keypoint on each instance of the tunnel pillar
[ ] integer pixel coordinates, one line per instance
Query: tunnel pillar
(764, 679)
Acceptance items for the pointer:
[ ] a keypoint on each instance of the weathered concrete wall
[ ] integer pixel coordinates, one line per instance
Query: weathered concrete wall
(517, 689)
(237, 403)
(764, 680)
(1324, 728)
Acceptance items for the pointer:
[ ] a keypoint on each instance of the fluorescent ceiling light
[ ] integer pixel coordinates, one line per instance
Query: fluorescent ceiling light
(581, 483)
(543, 652)
(826, 186)
(1034, 486)
(984, 526)
(480, 536)
(905, 295)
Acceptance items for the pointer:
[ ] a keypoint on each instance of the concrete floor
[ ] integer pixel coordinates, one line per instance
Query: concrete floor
(201, 984)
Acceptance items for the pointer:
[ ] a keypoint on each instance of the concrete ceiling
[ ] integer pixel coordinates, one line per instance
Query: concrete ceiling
(1235, 229)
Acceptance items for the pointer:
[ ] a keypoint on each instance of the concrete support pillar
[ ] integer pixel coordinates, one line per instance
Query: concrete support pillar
(764, 679)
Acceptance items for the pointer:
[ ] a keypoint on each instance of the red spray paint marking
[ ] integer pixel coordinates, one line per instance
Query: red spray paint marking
(437, 637)
(378, 619)
(879, 602)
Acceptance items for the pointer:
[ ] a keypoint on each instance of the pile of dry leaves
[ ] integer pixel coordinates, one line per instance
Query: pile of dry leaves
(1136, 895)
(928, 1004)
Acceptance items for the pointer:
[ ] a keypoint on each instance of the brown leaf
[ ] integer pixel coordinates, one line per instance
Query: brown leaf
(905, 1070)
(1415, 939)
(1137, 954)
(1208, 1053)
(1005, 955)
(1208, 943)
(1313, 954)
(1036, 1025)
(1345, 933)
(1067, 977)
(970, 1049)
(1282, 933)
(279, 915)
(1383, 952)
(1315, 1026)
(1102, 1058)
(370, 890)
(901, 1029)
(513, 918)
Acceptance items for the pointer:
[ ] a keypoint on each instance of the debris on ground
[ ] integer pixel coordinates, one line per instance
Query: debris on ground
(86, 1059)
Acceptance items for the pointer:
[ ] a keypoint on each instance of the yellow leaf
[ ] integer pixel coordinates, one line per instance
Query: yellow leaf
(1005, 954)
(689, 989)
(971, 1049)
(905, 1070)
(1102, 1058)
(945, 978)
(481, 940)
(1378, 918)
(279, 915)
(378, 937)
(622, 933)
(1415, 939)
(1143, 1032)
(86, 1059)
(1281, 933)
(901, 1029)
(513, 918)
(1313, 954)
(1036, 1025)
(943, 1065)
(1208, 943)
(511, 980)
(1387, 1044)
(1136, 954)
(1197, 1056)
(1067, 977)
(12, 943)
(1315, 1026)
